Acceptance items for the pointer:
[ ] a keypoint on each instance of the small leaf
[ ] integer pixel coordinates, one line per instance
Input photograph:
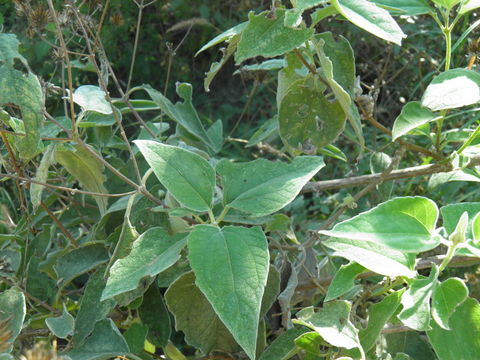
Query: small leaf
(61, 326)
(195, 317)
(416, 302)
(310, 343)
(41, 175)
(225, 36)
(269, 37)
(153, 252)
(447, 296)
(378, 315)
(375, 257)
(452, 89)
(231, 268)
(91, 98)
(447, 4)
(186, 175)
(461, 341)
(457, 175)
(332, 323)
(371, 18)
(91, 308)
(451, 215)
(155, 316)
(87, 169)
(12, 309)
(476, 228)
(412, 116)
(404, 223)
(263, 187)
(217, 66)
(283, 347)
(135, 337)
(105, 342)
(344, 280)
(459, 234)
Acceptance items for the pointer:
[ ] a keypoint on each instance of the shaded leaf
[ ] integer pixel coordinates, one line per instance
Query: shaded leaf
(61, 326)
(447, 296)
(283, 347)
(154, 315)
(344, 280)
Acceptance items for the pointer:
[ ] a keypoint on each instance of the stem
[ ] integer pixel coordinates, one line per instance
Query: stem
(212, 217)
(469, 140)
(222, 214)
(135, 44)
(448, 257)
(448, 46)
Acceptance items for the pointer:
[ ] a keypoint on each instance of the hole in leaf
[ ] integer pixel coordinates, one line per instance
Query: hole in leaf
(20, 66)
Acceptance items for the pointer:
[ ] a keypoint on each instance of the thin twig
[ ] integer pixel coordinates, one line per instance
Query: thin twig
(59, 224)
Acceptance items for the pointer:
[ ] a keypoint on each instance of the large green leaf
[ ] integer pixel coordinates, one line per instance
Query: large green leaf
(231, 268)
(106, 342)
(452, 89)
(344, 280)
(87, 169)
(155, 316)
(447, 296)
(195, 317)
(416, 302)
(375, 257)
(307, 119)
(269, 37)
(183, 113)
(378, 316)
(461, 342)
(451, 215)
(332, 323)
(262, 187)
(188, 176)
(404, 223)
(92, 309)
(22, 88)
(371, 18)
(154, 251)
(412, 116)
(405, 7)
(12, 309)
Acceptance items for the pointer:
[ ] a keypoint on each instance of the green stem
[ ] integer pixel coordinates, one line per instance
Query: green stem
(469, 140)
(447, 32)
(448, 257)
(222, 214)
(212, 217)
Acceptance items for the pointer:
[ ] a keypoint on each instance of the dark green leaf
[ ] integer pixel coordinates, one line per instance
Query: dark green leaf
(154, 315)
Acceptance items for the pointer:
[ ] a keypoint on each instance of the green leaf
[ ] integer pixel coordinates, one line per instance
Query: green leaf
(87, 169)
(412, 116)
(371, 18)
(96, 119)
(461, 341)
(183, 113)
(153, 252)
(404, 223)
(79, 261)
(61, 326)
(307, 119)
(344, 280)
(92, 309)
(195, 317)
(447, 296)
(12, 309)
(267, 129)
(91, 98)
(23, 89)
(41, 175)
(106, 342)
(452, 89)
(283, 347)
(225, 36)
(457, 175)
(269, 37)
(310, 343)
(231, 268)
(154, 315)
(291, 73)
(375, 257)
(416, 302)
(469, 5)
(476, 228)
(217, 66)
(262, 187)
(186, 175)
(447, 4)
(135, 337)
(332, 323)
(405, 7)
(378, 315)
